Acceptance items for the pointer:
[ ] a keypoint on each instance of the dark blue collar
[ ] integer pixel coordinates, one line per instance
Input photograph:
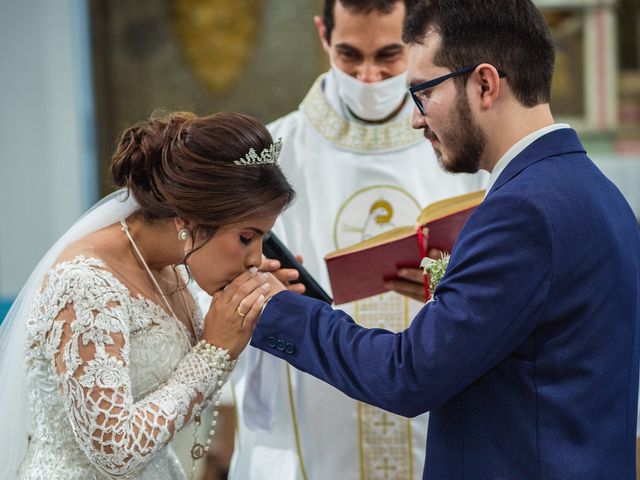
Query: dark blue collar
(558, 142)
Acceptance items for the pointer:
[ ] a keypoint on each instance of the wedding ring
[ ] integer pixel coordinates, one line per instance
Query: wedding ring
(240, 313)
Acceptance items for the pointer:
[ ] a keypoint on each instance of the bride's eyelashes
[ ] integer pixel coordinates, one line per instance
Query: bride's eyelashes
(246, 239)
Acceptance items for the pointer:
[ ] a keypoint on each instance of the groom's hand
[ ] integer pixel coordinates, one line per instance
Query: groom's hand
(286, 276)
(410, 281)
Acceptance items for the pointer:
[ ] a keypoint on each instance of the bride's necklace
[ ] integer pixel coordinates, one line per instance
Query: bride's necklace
(199, 450)
(125, 229)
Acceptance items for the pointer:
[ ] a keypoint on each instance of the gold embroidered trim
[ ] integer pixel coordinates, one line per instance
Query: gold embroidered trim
(386, 450)
(354, 136)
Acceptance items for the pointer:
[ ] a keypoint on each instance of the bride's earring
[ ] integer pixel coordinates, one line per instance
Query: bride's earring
(183, 234)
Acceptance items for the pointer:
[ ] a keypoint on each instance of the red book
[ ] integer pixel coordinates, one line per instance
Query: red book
(359, 271)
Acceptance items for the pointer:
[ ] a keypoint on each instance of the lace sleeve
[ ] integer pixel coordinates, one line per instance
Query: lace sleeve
(89, 342)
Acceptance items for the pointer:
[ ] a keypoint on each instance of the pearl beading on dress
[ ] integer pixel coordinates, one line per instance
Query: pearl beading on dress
(219, 361)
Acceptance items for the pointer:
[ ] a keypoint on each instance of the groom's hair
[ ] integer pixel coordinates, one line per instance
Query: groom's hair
(360, 7)
(511, 35)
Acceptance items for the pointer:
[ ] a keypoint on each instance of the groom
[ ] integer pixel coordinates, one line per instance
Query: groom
(527, 357)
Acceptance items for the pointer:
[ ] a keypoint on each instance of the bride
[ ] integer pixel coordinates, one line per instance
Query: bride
(104, 355)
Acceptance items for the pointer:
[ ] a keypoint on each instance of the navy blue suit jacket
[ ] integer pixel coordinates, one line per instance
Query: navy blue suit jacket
(527, 357)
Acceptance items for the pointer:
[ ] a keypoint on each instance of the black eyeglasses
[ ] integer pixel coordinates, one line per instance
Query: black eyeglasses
(437, 81)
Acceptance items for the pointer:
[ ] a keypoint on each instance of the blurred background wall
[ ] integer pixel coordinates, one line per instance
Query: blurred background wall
(254, 56)
(48, 156)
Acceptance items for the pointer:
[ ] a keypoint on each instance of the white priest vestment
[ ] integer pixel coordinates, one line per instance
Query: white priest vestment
(352, 181)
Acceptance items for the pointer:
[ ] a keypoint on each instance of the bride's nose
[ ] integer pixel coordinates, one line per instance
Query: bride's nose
(254, 257)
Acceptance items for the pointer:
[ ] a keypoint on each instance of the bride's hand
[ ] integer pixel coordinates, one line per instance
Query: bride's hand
(234, 311)
(275, 286)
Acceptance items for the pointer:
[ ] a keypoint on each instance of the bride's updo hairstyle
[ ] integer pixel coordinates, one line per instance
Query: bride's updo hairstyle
(183, 166)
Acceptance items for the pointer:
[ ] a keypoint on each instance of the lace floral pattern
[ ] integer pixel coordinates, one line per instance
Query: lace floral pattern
(111, 378)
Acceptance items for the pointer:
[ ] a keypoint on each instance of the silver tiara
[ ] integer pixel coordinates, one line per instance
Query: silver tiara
(268, 156)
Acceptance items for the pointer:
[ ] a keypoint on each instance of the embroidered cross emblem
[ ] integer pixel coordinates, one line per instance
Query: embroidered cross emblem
(384, 423)
(386, 468)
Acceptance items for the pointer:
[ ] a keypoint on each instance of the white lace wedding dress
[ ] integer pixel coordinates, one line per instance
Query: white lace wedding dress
(111, 377)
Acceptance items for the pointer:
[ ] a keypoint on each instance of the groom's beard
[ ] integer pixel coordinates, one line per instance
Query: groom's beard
(464, 140)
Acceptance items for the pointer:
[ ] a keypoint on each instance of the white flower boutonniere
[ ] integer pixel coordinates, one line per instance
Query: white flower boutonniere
(435, 269)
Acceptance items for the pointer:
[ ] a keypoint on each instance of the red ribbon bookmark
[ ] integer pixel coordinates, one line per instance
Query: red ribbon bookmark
(423, 252)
